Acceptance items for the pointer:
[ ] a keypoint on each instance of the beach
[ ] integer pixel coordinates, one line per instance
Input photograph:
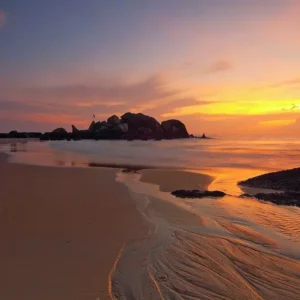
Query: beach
(74, 228)
(61, 231)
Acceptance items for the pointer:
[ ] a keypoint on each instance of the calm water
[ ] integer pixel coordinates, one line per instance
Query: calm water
(265, 154)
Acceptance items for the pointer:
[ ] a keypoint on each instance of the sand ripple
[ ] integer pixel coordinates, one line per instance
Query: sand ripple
(210, 250)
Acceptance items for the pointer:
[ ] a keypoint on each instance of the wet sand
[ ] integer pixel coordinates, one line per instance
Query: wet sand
(171, 180)
(229, 248)
(61, 230)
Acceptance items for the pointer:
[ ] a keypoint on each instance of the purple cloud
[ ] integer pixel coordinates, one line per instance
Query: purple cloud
(2, 18)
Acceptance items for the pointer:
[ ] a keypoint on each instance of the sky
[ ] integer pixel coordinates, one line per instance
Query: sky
(220, 66)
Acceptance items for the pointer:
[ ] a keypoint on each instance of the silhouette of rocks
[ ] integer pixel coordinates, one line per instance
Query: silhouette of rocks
(130, 126)
(197, 194)
(91, 127)
(114, 120)
(287, 180)
(141, 126)
(20, 135)
(74, 130)
(174, 129)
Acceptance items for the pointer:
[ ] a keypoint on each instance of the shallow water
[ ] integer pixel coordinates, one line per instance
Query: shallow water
(228, 248)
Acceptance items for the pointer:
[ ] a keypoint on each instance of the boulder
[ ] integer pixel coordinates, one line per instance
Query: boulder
(174, 129)
(123, 127)
(137, 121)
(18, 135)
(105, 133)
(84, 134)
(286, 180)
(114, 120)
(284, 198)
(197, 194)
(91, 128)
(74, 129)
(45, 136)
(59, 134)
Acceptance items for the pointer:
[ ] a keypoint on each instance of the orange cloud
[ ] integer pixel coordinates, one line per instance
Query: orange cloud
(219, 66)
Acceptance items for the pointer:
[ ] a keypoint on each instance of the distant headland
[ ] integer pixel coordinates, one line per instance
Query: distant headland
(130, 126)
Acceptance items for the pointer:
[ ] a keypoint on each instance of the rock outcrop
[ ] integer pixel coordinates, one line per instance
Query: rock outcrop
(130, 126)
(287, 180)
(197, 194)
(20, 135)
(114, 120)
(141, 126)
(285, 198)
(174, 129)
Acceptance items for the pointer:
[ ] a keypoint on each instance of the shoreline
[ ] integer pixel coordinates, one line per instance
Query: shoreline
(62, 230)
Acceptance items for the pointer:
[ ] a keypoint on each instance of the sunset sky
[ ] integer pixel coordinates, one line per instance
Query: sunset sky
(221, 66)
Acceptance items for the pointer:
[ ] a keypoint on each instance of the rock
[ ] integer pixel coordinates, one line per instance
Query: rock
(114, 120)
(203, 136)
(74, 130)
(45, 136)
(284, 198)
(174, 129)
(13, 134)
(60, 131)
(18, 135)
(287, 180)
(123, 127)
(91, 128)
(197, 194)
(137, 121)
(59, 134)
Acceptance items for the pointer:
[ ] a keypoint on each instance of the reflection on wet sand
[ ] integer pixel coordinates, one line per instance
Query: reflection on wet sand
(230, 248)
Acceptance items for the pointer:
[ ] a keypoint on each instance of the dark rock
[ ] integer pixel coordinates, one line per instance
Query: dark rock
(197, 194)
(59, 134)
(114, 120)
(284, 198)
(13, 134)
(74, 130)
(45, 136)
(34, 135)
(131, 170)
(91, 128)
(20, 135)
(287, 180)
(246, 196)
(174, 129)
(137, 121)
(203, 136)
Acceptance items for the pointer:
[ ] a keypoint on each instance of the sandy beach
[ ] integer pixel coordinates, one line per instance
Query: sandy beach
(100, 233)
(61, 230)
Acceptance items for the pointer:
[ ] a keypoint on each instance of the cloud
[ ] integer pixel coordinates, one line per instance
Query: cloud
(219, 66)
(147, 90)
(290, 82)
(2, 18)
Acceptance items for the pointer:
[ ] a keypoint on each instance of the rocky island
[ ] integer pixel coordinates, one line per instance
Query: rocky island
(130, 126)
